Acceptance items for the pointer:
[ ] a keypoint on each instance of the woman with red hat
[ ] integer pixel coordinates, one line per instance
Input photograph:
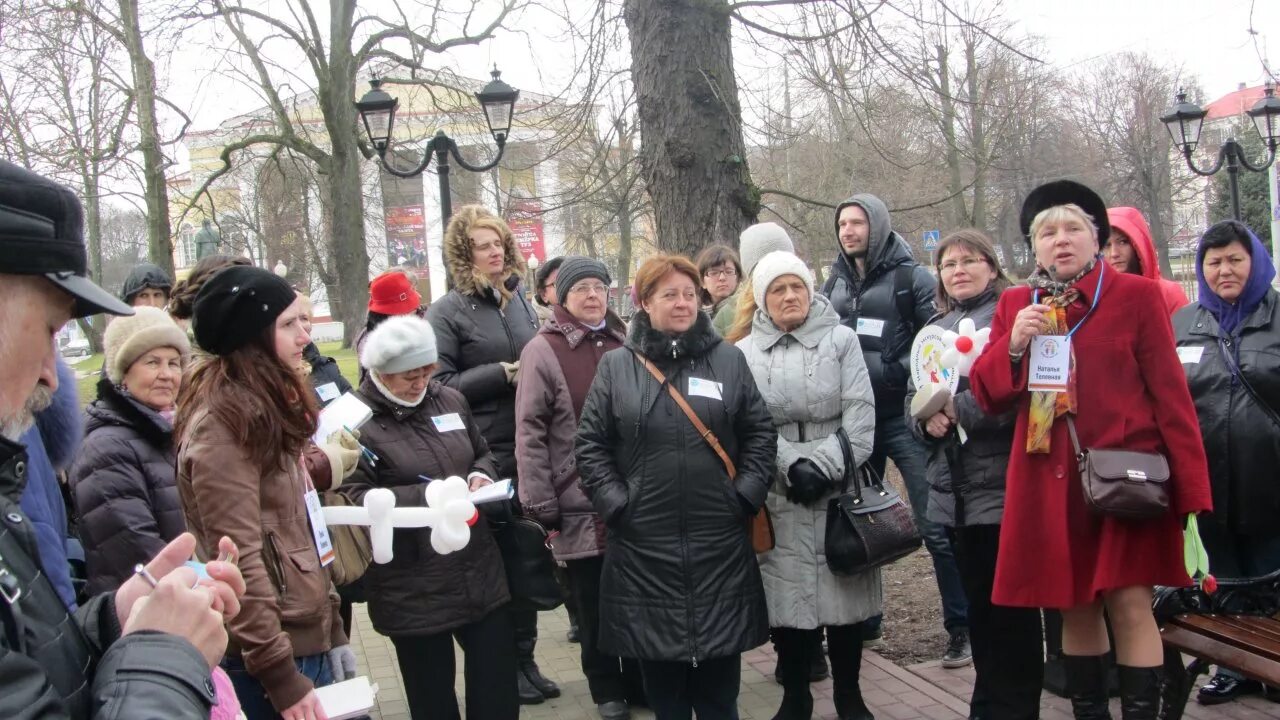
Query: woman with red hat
(390, 294)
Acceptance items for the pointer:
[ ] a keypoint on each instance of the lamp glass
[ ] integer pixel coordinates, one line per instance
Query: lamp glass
(377, 112)
(499, 116)
(1266, 118)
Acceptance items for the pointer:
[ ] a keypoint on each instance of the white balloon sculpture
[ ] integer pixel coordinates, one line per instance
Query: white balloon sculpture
(964, 347)
(449, 513)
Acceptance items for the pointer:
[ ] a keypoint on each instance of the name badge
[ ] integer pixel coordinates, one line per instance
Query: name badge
(870, 326)
(448, 423)
(328, 392)
(319, 529)
(1190, 354)
(1050, 363)
(705, 388)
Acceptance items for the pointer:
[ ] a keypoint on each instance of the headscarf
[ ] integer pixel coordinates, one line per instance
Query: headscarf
(1261, 273)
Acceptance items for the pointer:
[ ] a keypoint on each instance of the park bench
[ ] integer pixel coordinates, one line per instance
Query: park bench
(1236, 627)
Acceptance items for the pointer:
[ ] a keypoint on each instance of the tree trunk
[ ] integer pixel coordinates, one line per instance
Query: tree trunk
(978, 214)
(159, 242)
(346, 197)
(693, 155)
(955, 178)
(93, 233)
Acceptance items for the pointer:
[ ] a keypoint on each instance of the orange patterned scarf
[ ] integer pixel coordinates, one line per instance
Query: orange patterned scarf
(1046, 405)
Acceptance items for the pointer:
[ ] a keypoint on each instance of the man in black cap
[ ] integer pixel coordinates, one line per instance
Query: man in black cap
(146, 650)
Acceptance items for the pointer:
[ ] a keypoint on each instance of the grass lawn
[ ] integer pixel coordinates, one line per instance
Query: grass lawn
(89, 367)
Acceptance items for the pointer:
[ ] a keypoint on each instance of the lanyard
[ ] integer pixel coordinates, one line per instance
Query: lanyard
(1097, 293)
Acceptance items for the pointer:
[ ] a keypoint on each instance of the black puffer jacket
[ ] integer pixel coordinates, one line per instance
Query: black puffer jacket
(123, 487)
(680, 580)
(421, 592)
(981, 462)
(66, 667)
(1241, 438)
(326, 376)
(867, 303)
(473, 335)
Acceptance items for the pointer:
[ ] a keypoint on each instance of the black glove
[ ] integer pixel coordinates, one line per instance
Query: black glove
(806, 482)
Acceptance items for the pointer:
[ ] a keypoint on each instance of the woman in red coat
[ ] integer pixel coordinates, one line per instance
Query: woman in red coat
(1127, 390)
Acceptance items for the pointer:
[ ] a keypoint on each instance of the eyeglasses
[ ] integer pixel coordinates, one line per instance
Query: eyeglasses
(722, 274)
(592, 289)
(969, 264)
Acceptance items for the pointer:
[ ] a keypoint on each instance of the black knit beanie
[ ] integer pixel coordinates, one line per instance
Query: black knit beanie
(236, 305)
(575, 268)
(544, 273)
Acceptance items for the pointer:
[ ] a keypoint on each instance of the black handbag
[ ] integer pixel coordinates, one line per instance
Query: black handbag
(530, 567)
(868, 525)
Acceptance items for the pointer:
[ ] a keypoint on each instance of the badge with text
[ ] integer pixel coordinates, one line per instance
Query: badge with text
(448, 423)
(705, 388)
(1190, 354)
(319, 529)
(1050, 363)
(328, 392)
(870, 327)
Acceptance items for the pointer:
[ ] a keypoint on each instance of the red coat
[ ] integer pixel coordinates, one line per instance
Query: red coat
(1054, 552)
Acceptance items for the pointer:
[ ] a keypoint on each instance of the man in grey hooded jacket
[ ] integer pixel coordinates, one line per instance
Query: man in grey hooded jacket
(884, 295)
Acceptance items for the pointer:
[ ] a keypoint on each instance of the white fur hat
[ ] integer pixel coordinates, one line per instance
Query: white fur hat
(400, 343)
(130, 337)
(775, 265)
(761, 239)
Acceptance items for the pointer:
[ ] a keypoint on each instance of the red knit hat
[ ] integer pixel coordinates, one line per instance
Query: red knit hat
(391, 293)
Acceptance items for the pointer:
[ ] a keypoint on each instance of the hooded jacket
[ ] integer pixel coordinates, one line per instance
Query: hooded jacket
(475, 331)
(326, 376)
(123, 487)
(1131, 222)
(814, 383)
(52, 444)
(867, 303)
(78, 667)
(142, 277)
(680, 580)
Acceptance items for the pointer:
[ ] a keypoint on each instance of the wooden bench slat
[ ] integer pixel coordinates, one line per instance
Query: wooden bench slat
(1231, 634)
(1263, 627)
(1248, 663)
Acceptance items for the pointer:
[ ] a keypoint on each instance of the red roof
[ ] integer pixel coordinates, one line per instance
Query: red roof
(1234, 104)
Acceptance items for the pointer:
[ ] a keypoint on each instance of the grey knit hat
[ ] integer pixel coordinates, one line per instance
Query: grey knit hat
(575, 268)
(761, 239)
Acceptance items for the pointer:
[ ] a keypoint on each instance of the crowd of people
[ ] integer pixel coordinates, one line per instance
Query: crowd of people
(739, 389)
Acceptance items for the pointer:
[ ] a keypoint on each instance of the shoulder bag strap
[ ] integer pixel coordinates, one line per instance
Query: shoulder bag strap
(698, 425)
(1075, 439)
(1258, 399)
(850, 471)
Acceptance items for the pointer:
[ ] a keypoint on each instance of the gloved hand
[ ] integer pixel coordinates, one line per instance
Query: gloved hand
(512, 370)
(342, 663)
(344, 445)
(806, 483)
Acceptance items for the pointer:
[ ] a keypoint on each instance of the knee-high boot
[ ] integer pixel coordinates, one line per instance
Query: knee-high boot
(1086, 677)
(793, 662)
(844, 650)
(1140, 692)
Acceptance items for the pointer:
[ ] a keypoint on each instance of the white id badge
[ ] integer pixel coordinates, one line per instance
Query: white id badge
(319, 529)
(328, 392)
(448, 423)
(1050, 363)
(705, 388)
(870, 326)
(1190, 354)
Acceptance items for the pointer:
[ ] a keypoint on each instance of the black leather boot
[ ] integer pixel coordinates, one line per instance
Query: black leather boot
(844, 645)
(525, 691)
(1140, 692)
(529, 670)
(1086, 680)
(794, 660)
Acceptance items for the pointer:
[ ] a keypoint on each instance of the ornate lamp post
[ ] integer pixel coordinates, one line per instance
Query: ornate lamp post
(1184, 121)
(378, 111)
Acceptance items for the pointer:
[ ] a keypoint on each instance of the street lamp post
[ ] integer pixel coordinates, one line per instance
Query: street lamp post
(1184, 122)
(378, 110)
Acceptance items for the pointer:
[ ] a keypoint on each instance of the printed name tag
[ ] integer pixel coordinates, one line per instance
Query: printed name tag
(328, 391)
(1050, 361)
(870, 326)
(319, 529)
(1190, 354)
(447, 423)
(705, 388)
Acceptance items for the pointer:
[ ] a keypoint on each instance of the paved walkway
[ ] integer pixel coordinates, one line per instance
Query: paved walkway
(919, 692)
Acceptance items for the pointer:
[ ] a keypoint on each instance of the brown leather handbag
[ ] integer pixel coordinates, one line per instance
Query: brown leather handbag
(1124, 484)
(762, 537)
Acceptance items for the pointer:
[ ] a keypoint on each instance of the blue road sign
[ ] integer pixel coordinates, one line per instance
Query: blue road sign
(931, 239)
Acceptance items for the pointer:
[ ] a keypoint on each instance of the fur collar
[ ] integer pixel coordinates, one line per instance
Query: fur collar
(665, 349)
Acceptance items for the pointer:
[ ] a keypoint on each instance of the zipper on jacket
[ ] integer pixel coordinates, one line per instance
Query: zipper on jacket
(684, 551)
(800, 430)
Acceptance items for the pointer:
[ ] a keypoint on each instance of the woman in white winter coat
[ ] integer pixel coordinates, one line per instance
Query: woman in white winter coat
(811, 373)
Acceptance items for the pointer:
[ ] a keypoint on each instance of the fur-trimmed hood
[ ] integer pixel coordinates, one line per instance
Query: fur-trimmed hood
(61, 424)
(457, 254)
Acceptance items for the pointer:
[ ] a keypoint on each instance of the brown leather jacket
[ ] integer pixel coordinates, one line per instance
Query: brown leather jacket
(290, 608)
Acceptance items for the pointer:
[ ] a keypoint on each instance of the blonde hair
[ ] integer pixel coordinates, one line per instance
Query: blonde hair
(457, 251)
(744, 313)
(1058, 213)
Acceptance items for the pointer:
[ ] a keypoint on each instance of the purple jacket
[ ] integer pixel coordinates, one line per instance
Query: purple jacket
(556, 370)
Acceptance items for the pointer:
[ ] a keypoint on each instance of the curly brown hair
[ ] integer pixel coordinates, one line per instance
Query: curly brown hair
(268, 406)
(182, 301)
